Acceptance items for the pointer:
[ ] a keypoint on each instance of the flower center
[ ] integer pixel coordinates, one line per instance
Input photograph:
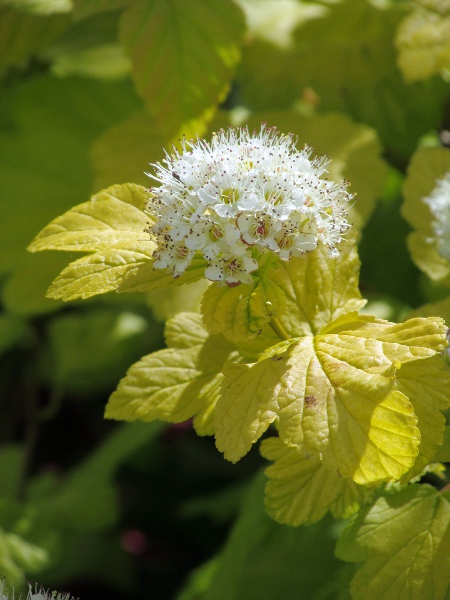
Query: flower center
(229, 196)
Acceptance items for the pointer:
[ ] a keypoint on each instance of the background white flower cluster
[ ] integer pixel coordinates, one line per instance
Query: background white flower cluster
(239, 196)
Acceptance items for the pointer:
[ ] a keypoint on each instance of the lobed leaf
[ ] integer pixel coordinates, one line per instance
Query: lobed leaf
(404, 541)
(338, 396)
(176, 383)
(301, 490)
(115, 215)
(318, 289)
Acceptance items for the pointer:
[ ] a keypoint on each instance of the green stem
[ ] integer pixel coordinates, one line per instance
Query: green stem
(279, 329)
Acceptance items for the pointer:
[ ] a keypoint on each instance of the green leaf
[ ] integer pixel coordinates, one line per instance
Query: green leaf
(426, 167)
(423, 43)
(113, 216)
(404, 541)
(335, 396)
(241, 313)
(183, 55)
(301, 490)
(318, 289)
(353, 148)
(167, 302)
(177, 383)
(23, 35)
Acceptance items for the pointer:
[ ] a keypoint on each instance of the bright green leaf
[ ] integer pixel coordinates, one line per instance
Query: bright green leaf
(177, 383)
(301, 490)
(318, 288)
(404, 541)
(426, 167)
(423, 43)
(183, 55)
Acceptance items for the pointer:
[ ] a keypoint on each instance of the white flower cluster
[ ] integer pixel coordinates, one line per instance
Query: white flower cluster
(239, 196)
(439, 203)
(36, 594)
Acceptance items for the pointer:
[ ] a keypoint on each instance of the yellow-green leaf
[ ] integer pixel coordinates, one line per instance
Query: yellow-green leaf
(404, 543)
(177, 383)
(301, 490)
(123, 267)
(423, 42)
(112, 216)
(337, 396)
(426, 383)
(318, 288)
(241, 313)
(183, 55)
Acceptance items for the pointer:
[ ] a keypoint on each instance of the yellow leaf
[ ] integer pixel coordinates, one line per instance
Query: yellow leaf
(112, 216)
(318, 288)
(177, 383)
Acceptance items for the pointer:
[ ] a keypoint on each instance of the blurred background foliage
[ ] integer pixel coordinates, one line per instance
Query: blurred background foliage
(91, 92)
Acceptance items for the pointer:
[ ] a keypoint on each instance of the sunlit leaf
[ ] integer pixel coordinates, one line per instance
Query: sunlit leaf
(18, 556)
(334, 396)
(177, 383)
(301, 490)
(113, 216)
(183, 55)
(404, 541)
(106, 61)
(318, 288)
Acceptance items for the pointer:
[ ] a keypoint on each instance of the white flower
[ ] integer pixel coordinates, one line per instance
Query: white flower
(239, 196)
(36, 594)
(439, 203)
